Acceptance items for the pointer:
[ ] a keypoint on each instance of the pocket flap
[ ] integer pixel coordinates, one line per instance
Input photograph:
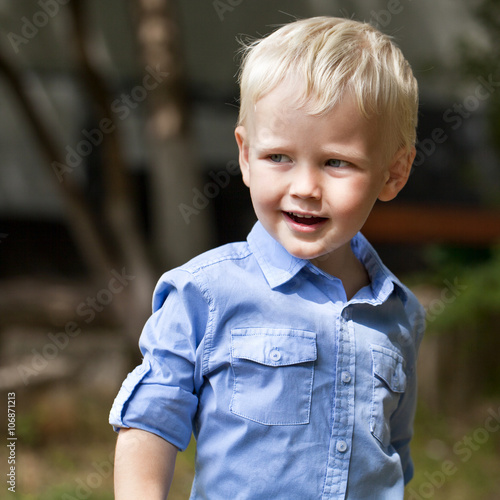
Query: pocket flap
(273, 347)
(388, 365)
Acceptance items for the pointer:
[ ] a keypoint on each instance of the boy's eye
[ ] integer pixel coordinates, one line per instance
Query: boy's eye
(278, 158)
(337, 163)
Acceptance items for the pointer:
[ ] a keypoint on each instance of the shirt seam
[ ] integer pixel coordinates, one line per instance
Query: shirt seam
(198, 274)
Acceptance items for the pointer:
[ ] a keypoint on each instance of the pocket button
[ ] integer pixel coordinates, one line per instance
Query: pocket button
(275, 355)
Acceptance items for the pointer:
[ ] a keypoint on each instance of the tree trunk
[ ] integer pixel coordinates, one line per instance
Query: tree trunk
(174, 170)
(113, 248)
(119, 207)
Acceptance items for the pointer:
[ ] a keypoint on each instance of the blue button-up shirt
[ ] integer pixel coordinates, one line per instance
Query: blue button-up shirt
(291, 390)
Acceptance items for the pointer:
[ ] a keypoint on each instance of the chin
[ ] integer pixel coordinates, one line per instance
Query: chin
(307, 254)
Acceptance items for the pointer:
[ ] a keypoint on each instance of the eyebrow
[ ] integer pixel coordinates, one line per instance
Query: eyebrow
(347, 153)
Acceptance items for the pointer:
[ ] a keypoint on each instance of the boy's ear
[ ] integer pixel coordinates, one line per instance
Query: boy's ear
(241, 139)
(398, 173)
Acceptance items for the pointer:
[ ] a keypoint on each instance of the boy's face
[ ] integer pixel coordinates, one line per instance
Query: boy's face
(314, 179)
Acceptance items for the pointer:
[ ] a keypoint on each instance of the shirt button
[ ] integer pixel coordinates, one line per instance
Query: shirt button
(341, 446)
(346, 377)
(275, 355)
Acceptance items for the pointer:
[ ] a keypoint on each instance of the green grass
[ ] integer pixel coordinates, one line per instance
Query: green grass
(457, 457)
(65, 452)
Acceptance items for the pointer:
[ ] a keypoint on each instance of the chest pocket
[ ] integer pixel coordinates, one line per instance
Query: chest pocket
(389, 383)
(273, 372)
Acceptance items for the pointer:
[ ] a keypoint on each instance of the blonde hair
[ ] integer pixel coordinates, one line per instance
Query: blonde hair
(332, 56)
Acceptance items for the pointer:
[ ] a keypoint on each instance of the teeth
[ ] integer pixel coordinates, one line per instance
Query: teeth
(302, 216)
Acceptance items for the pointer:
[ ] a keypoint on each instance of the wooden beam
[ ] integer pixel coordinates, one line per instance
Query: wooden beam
(405, 223)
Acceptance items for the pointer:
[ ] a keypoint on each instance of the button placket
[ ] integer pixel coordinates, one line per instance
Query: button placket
(343, 423)
(341, 446)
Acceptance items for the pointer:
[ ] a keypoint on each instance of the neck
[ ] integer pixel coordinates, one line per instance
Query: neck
(345, 266)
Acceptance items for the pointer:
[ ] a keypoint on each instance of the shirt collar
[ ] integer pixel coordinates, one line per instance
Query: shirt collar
(279, 266)
(276, 263)
(383, 281)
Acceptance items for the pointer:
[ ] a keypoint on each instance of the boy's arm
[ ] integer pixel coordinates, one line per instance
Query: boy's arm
(144, 465)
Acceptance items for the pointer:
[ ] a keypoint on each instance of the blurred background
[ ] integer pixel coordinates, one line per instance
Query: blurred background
(118, 162)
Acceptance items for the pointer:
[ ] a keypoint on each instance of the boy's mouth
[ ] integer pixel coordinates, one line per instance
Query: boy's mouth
(306, 220)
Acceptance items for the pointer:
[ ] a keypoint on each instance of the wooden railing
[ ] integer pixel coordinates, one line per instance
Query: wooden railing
(405, 223)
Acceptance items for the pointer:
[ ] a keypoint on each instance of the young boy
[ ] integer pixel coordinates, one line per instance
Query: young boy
(291, 357)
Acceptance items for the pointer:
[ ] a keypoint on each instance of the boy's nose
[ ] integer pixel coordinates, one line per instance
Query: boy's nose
(306, 182)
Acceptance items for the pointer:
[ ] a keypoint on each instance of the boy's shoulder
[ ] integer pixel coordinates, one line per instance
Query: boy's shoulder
(209, 265)
(204, 271)
(211, 258)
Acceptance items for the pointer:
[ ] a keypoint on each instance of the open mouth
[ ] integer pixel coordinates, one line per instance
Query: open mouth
(307, 220)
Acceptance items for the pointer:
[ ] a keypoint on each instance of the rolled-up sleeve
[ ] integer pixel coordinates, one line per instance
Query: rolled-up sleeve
(160, 395)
